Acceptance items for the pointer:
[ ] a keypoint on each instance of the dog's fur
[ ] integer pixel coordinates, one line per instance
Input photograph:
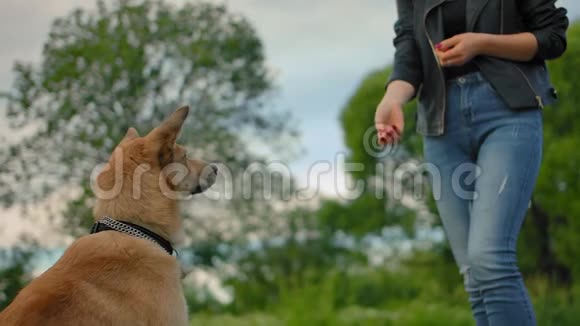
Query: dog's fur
(111, 278)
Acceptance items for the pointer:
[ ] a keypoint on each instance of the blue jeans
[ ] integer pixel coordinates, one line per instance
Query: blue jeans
(488, 161)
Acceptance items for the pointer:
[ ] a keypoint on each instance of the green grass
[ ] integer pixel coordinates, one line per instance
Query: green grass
(413, 314)
(257, 319)
(307, 307)
(379, 300)
(418, 314)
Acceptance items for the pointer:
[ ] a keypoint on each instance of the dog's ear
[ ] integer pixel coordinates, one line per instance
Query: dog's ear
(162, 139)
(130, 135)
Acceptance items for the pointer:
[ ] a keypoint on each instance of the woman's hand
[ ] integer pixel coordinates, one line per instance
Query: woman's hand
(390, 122)
(389, 117)
(460, 49)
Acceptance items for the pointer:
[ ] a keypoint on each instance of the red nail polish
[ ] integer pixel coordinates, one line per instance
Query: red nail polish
(438, 46)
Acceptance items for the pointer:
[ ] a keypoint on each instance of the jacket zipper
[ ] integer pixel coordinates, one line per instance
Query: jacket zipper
(435, 55)
(538, 97)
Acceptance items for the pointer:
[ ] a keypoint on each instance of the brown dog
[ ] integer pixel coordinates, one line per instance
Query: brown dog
(115, 278)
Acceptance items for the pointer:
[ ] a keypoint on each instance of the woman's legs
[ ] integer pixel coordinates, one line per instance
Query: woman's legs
(453, 181)
(509, 155)
(509, 167)
(506, 147)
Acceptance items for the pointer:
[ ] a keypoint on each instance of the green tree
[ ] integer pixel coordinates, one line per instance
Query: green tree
(305, 255)
(378, 207)
(15, 272)
(556, 206)
(129, 64)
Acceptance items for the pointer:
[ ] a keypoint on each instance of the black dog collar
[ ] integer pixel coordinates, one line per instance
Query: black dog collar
(107, 223)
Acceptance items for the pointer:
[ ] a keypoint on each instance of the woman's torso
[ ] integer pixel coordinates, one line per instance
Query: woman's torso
(521, 85)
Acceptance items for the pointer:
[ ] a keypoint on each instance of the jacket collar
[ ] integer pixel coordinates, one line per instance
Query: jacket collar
(474, 8)
(106, 223)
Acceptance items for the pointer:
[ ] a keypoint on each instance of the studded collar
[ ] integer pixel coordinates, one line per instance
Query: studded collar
(106, 224)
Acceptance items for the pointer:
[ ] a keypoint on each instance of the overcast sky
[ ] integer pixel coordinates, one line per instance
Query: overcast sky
(320, 50)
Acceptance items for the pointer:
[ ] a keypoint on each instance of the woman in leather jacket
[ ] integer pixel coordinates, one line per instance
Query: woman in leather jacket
(478, 70)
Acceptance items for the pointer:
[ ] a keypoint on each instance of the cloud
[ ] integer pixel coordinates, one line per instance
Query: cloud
(24, 26)
(298, 34)
(321, 50)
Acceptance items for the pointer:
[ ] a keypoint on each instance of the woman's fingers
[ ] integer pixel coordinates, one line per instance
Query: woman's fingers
(388, 135)
(459, 61)
(453, 53)
(448, 43)
(450, 59)
(453, 57)
(389, 122)
(397, 130)
(382, 137)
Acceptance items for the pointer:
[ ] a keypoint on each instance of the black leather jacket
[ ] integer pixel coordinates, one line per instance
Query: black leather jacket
(523, 85)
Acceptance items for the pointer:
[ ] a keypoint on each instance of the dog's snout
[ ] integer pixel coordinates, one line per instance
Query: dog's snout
(214, 168)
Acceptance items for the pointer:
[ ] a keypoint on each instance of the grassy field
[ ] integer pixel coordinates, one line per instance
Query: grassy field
(413, 314)
(313, 306)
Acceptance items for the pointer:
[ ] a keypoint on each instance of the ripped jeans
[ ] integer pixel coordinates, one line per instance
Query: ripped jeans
(487, 163)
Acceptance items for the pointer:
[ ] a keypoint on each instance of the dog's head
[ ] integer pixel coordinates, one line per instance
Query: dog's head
(158, 155)
(146, 175)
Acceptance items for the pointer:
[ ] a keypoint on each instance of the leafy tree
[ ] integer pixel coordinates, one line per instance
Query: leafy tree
(556, 206)
(15, 272)
(129, 64)
(378, 207)
(303, 256)
(362, 216)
